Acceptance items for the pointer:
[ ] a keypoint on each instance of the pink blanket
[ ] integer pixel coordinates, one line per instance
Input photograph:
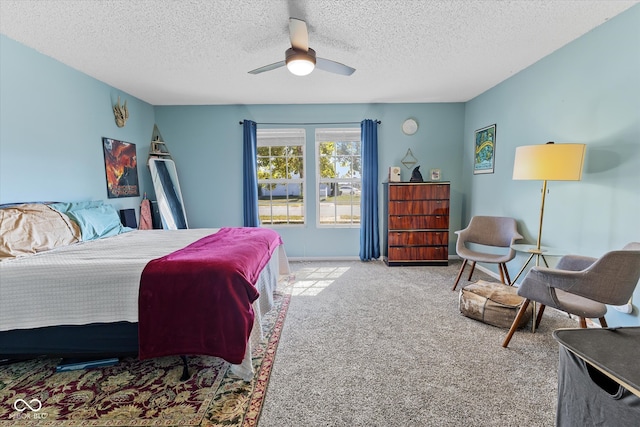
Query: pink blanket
(198, 299)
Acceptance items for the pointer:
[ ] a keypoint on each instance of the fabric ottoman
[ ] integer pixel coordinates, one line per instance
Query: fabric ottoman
(493, 303)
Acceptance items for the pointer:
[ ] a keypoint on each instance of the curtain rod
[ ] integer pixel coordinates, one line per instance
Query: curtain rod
(316, 123)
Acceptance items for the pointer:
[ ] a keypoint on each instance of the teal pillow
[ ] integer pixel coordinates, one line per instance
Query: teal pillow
(97, 221)
(64, 207)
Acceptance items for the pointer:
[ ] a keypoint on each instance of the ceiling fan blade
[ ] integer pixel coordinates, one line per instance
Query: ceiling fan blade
(334, 67)
(298, 34)
(268, 67)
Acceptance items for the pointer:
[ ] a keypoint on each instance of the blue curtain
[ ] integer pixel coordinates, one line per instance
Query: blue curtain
(369, 232)
(250, 174)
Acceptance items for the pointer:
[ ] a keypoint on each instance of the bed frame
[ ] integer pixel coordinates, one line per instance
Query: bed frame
(100, 340)
(94, 341)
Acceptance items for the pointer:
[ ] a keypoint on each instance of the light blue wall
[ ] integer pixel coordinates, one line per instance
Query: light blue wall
(586, 92)
(52, 120)
(206, 143)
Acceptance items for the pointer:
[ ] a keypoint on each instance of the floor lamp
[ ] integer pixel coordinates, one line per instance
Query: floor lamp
(547, 162)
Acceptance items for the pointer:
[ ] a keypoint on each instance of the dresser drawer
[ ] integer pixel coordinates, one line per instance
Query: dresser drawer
(419, 207)
(418, 238)
(416, 226)
(418, 253)
(418, 222)
(419, 192)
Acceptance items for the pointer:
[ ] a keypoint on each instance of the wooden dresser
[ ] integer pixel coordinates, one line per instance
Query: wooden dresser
(416, 219)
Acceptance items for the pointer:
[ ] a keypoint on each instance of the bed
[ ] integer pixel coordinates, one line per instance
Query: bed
(79, 291)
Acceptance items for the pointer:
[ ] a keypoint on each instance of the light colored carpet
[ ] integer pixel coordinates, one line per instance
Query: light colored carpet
(369, 345)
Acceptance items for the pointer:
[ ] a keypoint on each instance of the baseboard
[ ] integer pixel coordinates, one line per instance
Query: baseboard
(325, 258)
(354, 258)
(487, 271)
(626, 308)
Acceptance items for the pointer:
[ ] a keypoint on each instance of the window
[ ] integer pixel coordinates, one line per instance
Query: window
(339, 176)
(281, 176)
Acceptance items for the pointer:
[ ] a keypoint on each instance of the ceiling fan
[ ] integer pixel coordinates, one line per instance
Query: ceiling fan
(300, 59)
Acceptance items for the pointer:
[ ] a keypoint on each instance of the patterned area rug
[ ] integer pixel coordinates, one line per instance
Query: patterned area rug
(142, 393)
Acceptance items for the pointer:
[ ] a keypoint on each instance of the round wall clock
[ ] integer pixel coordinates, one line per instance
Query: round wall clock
(410, 126)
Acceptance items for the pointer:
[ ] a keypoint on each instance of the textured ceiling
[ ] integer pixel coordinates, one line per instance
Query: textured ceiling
(194, 52)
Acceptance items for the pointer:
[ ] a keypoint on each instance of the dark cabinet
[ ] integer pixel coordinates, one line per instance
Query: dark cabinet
(416, 223)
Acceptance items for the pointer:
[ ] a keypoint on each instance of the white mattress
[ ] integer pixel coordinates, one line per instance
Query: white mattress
(88, 282)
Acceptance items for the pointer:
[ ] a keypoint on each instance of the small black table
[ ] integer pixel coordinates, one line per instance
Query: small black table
(613, 351)
(598, 377)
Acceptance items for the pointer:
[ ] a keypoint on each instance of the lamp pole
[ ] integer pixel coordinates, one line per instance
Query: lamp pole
(544, 192)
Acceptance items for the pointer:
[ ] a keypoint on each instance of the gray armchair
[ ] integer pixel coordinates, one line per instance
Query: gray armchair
(491, 232)
(581, 285)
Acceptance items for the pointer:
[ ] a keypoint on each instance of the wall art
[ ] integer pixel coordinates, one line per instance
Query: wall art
(121, 167)
(484, 150)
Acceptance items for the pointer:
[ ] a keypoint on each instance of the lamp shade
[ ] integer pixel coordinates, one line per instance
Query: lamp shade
(550, 162)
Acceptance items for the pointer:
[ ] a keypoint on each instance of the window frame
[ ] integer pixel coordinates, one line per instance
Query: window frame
(277, 136)
(318, 134)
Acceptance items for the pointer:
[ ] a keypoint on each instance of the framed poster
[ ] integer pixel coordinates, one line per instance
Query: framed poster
(485, 150)
(121, 167)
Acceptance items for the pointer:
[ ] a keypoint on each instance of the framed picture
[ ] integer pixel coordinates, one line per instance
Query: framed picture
(121, 167)
(435, 174)
(484, 150)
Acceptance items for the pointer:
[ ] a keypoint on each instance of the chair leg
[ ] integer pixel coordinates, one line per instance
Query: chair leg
(516, 322)
(501, 274)
(506, 274)
(464, 263)
(583, 322)
(473, 266)
(603, 322)
(539, 316)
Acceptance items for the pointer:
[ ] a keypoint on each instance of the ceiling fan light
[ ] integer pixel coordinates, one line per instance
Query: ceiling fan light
(300, 67)
(300, 63)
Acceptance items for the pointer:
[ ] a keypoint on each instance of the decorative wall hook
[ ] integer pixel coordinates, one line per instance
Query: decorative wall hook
(409, 159)
(121, 113)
